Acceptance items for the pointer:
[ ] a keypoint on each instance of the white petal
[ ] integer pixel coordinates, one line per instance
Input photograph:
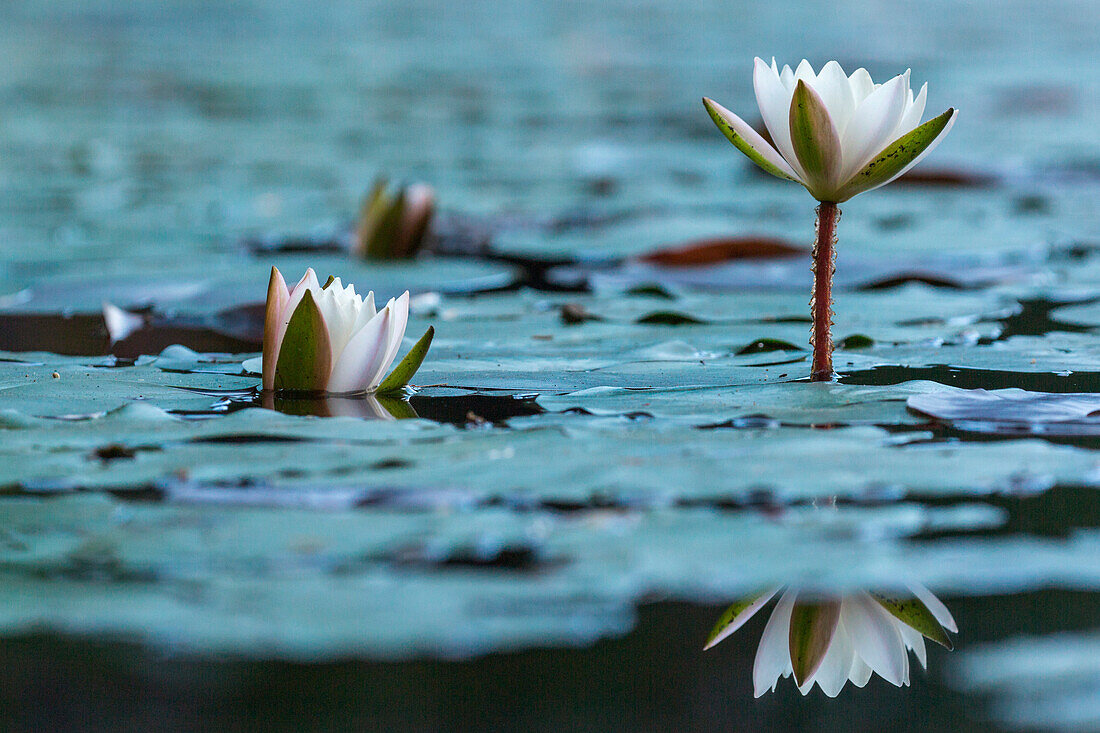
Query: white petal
(861, 672)
(773, 655)
(935, 605)
(308, 282)
(753, 138)
(804, 72)
(786, 77)
(873, 124)
(774, 101)
(861, 84)
(832, 675)
(876, 639)
(914, 111)
(120, 323)
(362, 355)
(399, 320)
(915, 641)
(835, 91)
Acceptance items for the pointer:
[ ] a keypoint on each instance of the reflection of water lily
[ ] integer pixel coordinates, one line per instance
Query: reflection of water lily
(330, 339)
(833, 641)
(838, 136)
(365, 407)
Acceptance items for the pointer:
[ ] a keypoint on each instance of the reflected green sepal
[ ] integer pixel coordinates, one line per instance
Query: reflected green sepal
(736, 615)
(812, 629)
(405, 370)
(399, 408)
(305, 357)
(913, 613)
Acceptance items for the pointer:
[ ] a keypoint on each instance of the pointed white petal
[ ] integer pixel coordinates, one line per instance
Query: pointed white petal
(805, 72)
(773, 655)
(832, 84)
(872, 126)
(399, 320)
(913, 112)
(915, 640)
(308, 282)
(361, 357)
(774, 101)
(861, 672)
(832, 675)
(876, 639)
(935, 605)
(861, 84)
(786, 78)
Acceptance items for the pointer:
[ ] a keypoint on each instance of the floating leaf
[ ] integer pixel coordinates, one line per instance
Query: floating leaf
(712, 251)
(765, 345)
(668, 318)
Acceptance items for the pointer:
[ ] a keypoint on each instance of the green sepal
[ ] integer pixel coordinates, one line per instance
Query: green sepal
(912, 612)
(814, 137)
(406, 369)
(742, 144)
(812, 629)
(895, 156)
(305, 356)
(330, 281)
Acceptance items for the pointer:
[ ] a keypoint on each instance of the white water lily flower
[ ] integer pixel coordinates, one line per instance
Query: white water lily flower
(830, 642)
(837, 135)
(328, 338)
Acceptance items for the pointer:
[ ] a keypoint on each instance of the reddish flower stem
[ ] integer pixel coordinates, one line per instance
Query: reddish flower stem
(821, 298)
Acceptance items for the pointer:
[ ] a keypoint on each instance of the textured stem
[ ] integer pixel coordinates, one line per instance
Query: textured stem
(821, 299)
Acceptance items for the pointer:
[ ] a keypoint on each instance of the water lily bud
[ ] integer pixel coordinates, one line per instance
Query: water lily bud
(394, 225)
(837, 135)
(328, 338)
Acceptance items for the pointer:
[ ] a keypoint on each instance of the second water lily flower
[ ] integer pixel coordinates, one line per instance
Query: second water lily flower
(328, 338)
(837, 135)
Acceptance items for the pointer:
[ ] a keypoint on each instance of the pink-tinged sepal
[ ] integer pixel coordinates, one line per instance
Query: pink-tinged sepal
(277, 298)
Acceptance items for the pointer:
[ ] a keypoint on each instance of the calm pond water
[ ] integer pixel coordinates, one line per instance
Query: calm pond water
(605, 450)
